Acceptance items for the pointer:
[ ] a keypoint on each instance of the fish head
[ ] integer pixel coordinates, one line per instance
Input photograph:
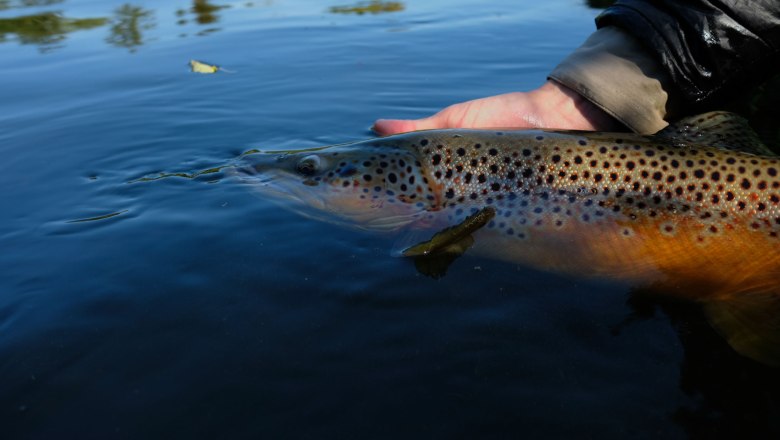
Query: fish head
(376, 184)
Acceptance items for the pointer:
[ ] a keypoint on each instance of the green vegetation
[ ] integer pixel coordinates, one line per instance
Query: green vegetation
(370, 7)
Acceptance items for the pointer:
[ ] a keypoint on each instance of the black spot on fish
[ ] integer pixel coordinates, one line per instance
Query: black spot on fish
(348, 171)
(424, 142)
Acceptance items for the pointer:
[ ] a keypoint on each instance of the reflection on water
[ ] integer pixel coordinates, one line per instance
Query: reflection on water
(128, 24)
(8, 4)
(599, 4)
(371, 7)
(49, 29)
(205, 13)
(46, 29)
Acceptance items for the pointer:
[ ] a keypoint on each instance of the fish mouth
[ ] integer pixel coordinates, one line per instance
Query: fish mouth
(291, 194)
(281, 187)
(272, 178)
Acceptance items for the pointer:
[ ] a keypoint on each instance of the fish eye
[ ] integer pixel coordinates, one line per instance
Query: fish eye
(308, 165)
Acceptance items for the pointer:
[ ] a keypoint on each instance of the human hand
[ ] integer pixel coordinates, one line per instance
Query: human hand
(550, 106)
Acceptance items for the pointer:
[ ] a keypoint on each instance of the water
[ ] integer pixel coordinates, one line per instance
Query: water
(194, 308)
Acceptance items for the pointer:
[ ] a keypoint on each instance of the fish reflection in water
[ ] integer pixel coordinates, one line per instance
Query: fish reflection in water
(692, 212)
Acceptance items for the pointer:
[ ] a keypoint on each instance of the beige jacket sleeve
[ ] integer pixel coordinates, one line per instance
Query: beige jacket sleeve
(613, 71)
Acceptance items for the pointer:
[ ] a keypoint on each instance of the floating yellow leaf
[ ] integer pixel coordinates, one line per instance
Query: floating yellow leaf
(200, 67)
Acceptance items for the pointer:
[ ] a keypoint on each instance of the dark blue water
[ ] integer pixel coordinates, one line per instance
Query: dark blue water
(195, 309)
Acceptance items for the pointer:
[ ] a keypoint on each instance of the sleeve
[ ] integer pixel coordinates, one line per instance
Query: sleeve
(709, 49)
(613, 71)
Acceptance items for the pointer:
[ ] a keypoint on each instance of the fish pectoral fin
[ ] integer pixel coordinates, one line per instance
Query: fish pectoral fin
(750, 324)
(718, 129)
(433, 257)
(447, 240)
(436, 265)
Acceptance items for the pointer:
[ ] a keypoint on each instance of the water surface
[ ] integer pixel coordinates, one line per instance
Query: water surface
(193, 308)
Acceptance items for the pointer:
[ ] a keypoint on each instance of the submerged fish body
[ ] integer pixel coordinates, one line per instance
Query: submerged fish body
(672, 209)
(619, 205)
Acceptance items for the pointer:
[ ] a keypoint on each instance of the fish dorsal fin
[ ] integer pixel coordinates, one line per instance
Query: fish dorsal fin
(717, 129)
(750, 323)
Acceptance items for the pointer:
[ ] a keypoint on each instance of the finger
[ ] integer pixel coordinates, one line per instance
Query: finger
(386, 127)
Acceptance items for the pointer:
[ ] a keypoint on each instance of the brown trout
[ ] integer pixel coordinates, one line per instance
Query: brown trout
(693, 210)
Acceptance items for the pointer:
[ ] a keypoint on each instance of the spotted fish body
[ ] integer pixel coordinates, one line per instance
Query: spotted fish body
(675, 209)
(623, 206)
